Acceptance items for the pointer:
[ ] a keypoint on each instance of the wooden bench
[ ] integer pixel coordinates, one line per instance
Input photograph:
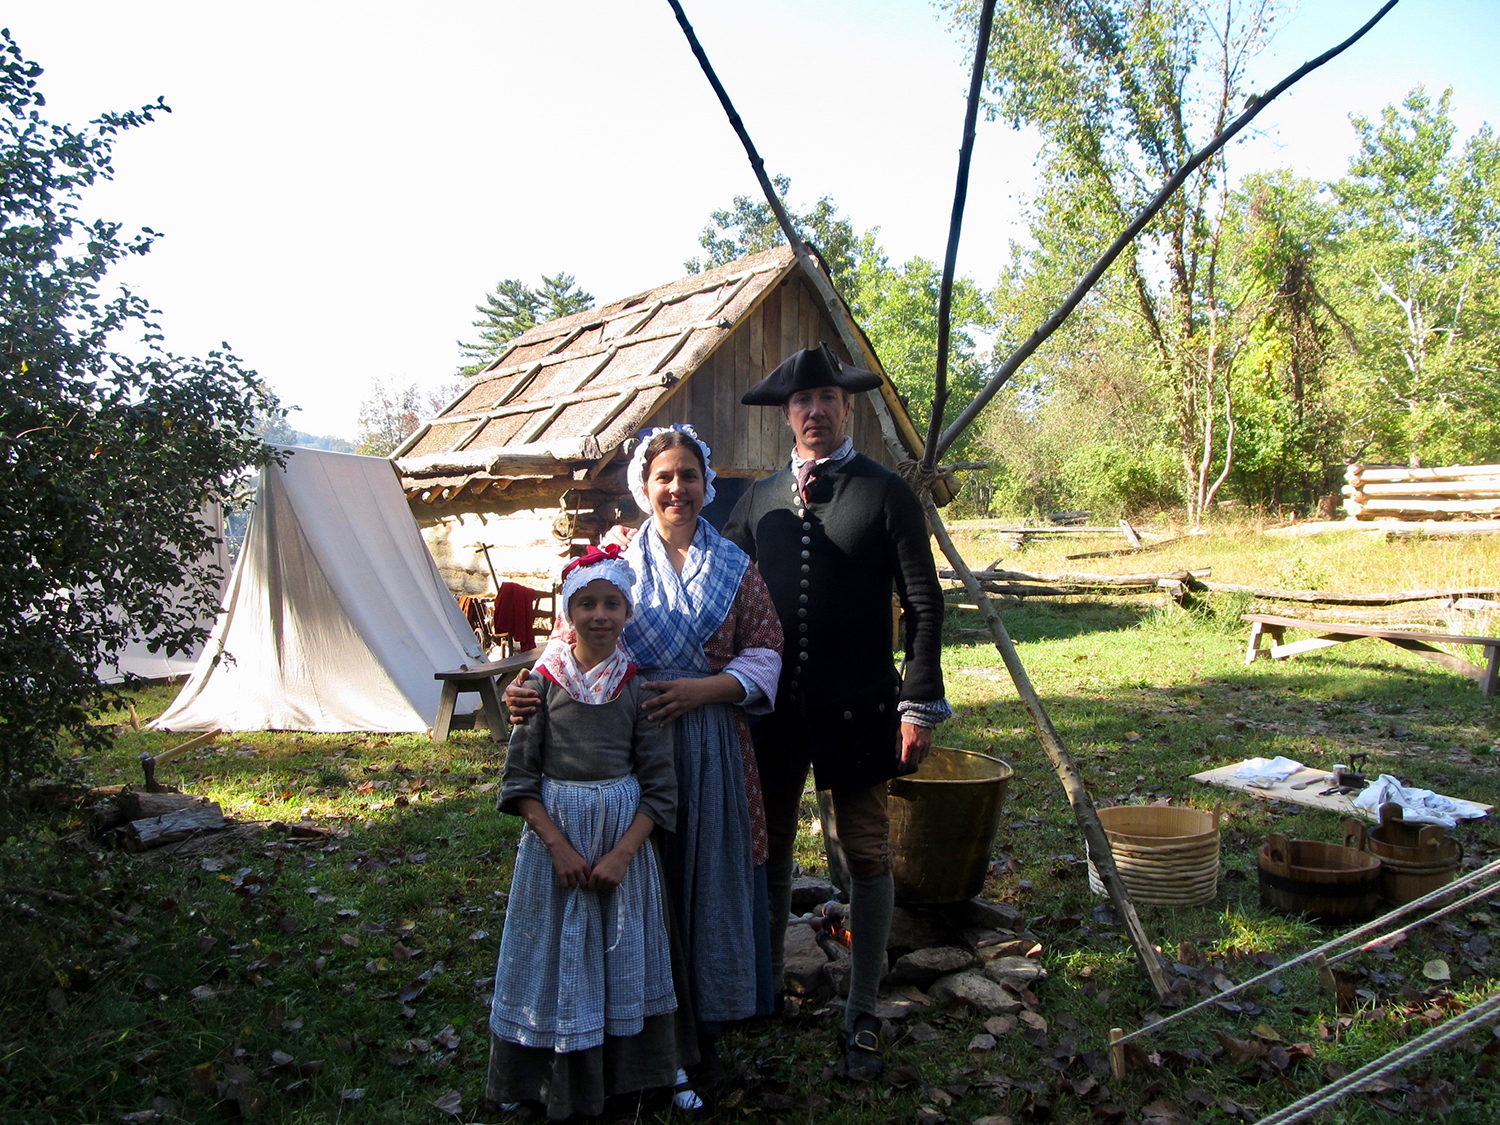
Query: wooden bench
(1337, 633)
(480, 678)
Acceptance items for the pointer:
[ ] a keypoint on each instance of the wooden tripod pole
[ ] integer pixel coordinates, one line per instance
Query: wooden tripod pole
(1072, 781)
(1067, 772)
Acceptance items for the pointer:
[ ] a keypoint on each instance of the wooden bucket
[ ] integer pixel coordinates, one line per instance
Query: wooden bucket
(1165, 856)
(1415, 859)
(1327, 882)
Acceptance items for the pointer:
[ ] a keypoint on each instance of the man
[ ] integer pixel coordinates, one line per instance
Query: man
(834, 533)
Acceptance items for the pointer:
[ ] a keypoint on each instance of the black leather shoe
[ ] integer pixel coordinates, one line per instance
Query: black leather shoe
(862, 1056)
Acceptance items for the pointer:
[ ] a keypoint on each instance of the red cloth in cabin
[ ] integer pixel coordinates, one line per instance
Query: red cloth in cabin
(514, 606)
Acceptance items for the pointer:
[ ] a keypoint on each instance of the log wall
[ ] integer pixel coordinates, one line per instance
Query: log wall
(753, 441)
(521, 545)
(1397, 492)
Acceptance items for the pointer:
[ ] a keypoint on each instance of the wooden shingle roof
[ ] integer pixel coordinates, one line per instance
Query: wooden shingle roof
(573, 389)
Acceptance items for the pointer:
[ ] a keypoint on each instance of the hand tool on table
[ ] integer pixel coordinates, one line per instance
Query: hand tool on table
(1315, 779)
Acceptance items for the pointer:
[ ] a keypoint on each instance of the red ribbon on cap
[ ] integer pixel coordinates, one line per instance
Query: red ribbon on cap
(591, 556)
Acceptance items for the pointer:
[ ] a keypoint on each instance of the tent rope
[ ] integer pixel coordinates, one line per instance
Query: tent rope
(1484, 872)
(1393, 1060)
(1442, 912)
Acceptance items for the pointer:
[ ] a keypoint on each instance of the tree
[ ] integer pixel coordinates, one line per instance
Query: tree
(748, 226)
(392, 412)
(1290, 423)
(109, 443)
(897, 308)
(1420, 241)
(513, 308)
(1118, 89)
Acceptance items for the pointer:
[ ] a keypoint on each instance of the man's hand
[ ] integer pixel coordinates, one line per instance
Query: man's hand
(916, 744)
(520, 700)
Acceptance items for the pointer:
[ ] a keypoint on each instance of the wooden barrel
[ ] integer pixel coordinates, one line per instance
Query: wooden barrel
(1415, 859)
(1165, 856)
(1327, 882)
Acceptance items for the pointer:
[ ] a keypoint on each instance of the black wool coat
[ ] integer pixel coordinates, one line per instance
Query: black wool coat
(831, 566)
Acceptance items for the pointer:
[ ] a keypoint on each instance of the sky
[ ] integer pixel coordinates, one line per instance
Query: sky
(340, 183)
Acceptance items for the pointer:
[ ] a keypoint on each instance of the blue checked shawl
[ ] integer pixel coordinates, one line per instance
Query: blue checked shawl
(674, 614)
(576, 965)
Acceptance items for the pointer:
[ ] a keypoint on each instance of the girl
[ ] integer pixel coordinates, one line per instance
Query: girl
(585, 1004)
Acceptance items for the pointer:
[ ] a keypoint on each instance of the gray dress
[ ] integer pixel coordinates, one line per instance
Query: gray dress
(585, 1004)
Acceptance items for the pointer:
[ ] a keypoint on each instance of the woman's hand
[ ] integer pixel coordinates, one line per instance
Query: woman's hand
(521, 701)
(571, 868)
(678, 697)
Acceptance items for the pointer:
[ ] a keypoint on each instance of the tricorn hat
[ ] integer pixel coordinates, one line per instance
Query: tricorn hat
(804, 370)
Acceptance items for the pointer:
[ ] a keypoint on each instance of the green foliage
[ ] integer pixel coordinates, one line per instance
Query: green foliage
(1122, 92)
(1289, 416)
(895, 305)
(897, 308)
(749, 226)
(1420, 241)
(392, 412)
(109, 443)
(514, 307)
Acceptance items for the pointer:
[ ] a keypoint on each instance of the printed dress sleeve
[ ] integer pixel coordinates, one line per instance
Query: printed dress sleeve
(756, 644)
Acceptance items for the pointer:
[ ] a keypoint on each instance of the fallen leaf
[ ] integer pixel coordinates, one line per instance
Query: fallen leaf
(924, 1033)
(1164, 1111)
(449, 1103)
(1437, 969)
(982, 1043)
(1034, 1020)
(999, 1025)
(1239, 1050)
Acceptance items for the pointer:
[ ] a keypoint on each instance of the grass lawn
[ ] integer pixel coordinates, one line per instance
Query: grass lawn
(345, 977)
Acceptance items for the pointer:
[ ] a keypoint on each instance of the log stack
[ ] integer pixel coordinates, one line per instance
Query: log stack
(1373, 492)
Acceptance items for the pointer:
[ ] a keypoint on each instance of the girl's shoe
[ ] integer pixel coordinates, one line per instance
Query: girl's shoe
(684, 1097)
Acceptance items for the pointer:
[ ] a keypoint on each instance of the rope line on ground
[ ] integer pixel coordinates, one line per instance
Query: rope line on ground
(1486, 871)
(1393, 1060)
(1441, 912)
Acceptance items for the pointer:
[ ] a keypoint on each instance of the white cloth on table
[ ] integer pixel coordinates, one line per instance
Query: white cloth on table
(1420, 806)
(1266, 771)
(576, 965)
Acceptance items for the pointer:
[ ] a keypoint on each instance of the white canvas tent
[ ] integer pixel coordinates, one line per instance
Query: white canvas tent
(137, 659)
(335, 618)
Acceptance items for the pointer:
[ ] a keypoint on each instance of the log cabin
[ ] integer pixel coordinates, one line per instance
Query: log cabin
(527, 464)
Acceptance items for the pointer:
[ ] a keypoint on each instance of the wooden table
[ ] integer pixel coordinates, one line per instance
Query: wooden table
(480, 678)
(1337, 633)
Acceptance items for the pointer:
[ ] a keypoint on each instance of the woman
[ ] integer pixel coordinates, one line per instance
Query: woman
(706, 635)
